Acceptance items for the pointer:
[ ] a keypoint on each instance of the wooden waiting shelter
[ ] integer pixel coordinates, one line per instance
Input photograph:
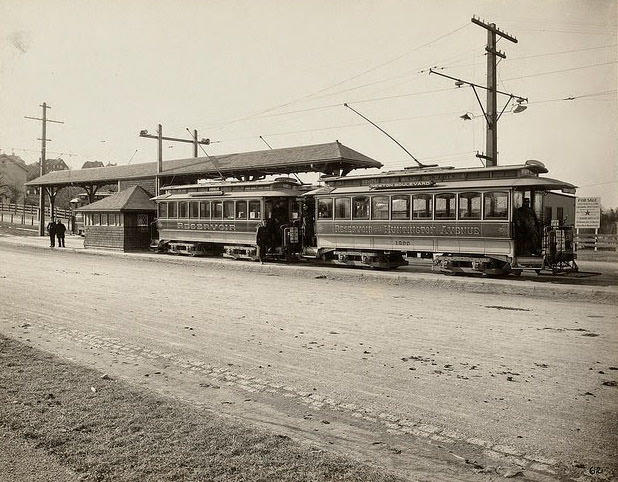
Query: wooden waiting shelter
(121, 221)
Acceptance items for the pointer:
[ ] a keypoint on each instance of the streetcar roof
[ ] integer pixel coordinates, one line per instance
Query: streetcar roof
(533, 182)
(216, 195)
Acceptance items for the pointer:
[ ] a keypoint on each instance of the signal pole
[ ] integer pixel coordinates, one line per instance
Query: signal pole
(491, 141)
(44, 120)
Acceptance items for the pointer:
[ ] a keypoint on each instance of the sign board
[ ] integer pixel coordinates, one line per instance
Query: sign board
(587, 212)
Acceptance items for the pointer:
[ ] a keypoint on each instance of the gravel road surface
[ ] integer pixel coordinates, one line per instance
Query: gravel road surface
(406, 377)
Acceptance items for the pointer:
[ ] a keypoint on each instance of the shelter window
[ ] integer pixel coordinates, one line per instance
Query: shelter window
(172, 209)
(360, 207)
(183, 209)
(400, 207)
(342, 208)
(422, 206)
(162, 210)
(194, 209)
(496, 205)
(204, 209)
(254, 210)
(228, 209)
(470, 205)
(241, 209)
(445, 206)
(96, 219)
(217, 210)
(325, 208)
(379, 207)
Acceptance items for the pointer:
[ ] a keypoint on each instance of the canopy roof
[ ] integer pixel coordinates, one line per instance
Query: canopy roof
(132, 199)
(326, 158)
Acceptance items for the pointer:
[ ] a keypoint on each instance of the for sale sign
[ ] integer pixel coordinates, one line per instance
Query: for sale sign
(587, 212)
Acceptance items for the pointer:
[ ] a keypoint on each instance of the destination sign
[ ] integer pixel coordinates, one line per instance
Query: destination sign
(438, 229)
(402, 185)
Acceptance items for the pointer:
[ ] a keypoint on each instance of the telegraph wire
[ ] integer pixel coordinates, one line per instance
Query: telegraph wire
(563, 70)
(319, 91)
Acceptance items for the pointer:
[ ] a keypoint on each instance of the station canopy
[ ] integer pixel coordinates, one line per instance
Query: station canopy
(331, 159)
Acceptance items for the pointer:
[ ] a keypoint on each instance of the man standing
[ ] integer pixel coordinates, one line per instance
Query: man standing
(261, 239)
(51, 230)
(60, 230)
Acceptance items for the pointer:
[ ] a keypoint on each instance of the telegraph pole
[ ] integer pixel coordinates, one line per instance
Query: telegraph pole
(491, 141)
(160, 138)
(44, 120)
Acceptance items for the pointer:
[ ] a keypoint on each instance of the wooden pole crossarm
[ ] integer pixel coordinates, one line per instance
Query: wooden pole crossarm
(472, 84)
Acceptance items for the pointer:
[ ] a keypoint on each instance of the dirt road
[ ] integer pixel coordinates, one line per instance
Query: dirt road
(407, 378)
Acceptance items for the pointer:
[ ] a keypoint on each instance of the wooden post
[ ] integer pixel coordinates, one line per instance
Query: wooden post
(596, 238)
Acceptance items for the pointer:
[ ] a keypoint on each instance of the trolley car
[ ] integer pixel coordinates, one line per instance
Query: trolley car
(222, 217)
(491, 220)
(495, 220)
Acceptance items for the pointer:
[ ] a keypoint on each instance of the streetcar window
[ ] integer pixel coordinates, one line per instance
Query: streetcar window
(342, 208)
(183, 209)
(194, 209)
(325, 208)
(496, 205)
(96, 219)
(400, 207)
(470, 205)
(241, 209)
(172, 209)
(379, 207)
(228, 209)
(360, 207)
(560, 214)
(204, 209)
(422, 206)
(445, 206)
(217, 210)
(104, 219)
(254, 210)
(162, 210)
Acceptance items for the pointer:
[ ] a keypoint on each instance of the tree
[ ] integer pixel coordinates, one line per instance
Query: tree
(8, 190)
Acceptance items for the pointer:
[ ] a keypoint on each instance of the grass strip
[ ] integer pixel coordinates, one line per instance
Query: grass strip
(104, 429)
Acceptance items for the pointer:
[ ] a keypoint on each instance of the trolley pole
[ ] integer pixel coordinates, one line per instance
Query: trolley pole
(44, 120)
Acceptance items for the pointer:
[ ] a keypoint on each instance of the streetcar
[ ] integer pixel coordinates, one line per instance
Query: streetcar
(489, 220)
(492, 220)
(222, 217)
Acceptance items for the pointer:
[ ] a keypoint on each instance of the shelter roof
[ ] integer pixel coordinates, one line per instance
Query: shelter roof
(317, 157)
(132, 199)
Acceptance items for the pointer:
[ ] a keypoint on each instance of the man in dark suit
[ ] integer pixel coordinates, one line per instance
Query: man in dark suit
(51, 230)
(262, 240)
(60, 230)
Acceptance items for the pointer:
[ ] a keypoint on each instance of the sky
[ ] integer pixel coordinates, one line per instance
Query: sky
(237, 70)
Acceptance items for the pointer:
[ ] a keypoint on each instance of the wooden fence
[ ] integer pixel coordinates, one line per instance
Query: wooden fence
(597, 241)
(27, 214)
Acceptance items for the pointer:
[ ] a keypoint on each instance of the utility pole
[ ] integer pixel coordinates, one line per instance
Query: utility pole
(160, 138)
(491, 111)
(44, 120)
(491, 141)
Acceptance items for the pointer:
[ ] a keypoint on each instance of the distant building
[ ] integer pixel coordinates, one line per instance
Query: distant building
(13, 176)
(91, 164)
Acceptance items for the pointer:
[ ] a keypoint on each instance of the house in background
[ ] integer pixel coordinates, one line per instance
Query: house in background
(13, 176)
